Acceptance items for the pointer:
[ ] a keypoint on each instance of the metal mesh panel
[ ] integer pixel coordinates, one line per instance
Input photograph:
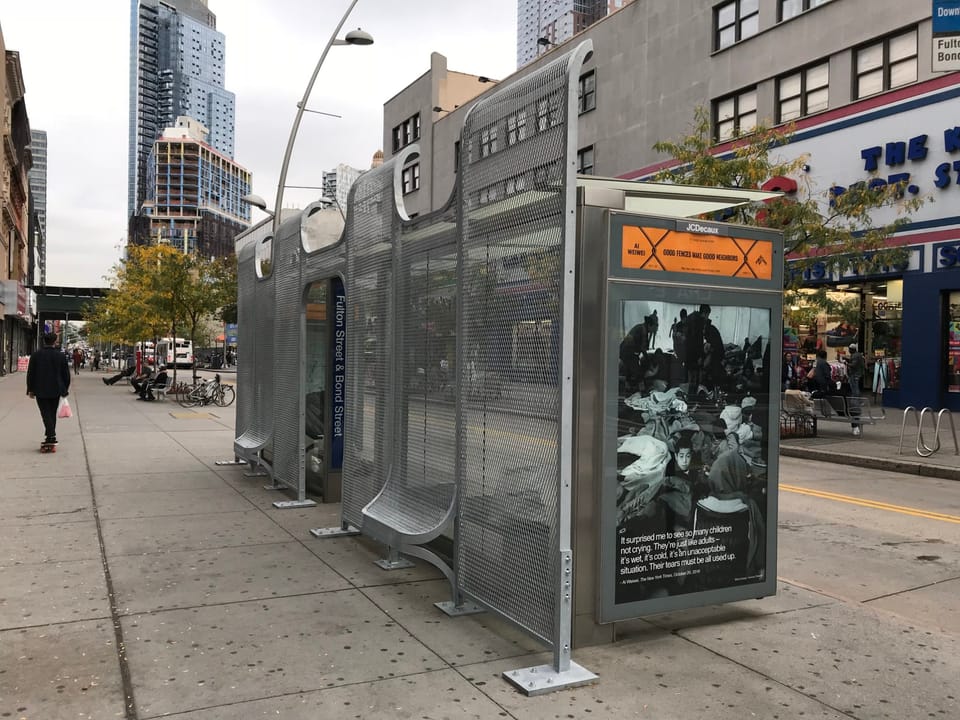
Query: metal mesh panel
(513, 160)
(288, 454)
(246, 314)
(259, 385)
(418, 497)
(368, 284)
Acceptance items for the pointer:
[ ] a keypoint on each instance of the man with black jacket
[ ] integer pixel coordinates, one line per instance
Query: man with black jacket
(48, 379)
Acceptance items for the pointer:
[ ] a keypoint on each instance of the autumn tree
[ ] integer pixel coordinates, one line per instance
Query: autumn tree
(819, 225)
(158, 290)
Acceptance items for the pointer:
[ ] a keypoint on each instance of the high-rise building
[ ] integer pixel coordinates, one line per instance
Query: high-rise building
(37, 222)
(337, 183)
(176, 68)
(541, 23)
(194, 193)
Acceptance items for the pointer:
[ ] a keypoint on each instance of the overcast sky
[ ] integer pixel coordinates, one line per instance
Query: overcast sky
(75, 60)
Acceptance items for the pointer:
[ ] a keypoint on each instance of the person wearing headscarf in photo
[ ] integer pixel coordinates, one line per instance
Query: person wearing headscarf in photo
(731, 478)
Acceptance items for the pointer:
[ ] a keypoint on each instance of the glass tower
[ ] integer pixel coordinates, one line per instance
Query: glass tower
(176, 69)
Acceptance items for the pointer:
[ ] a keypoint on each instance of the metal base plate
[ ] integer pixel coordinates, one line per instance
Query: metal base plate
(334, 532)
(398, 564)
(230, 462)
(468, 608)
(292, 504)
(543, 679)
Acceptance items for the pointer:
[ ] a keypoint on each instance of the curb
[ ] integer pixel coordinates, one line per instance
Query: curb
(874, 463)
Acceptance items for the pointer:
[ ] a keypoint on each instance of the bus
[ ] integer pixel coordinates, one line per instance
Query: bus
(183, 349)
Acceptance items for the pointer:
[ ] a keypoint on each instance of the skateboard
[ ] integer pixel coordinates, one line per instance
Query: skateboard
(46, 447)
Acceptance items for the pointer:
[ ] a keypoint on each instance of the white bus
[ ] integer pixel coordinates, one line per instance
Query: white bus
(183, 349)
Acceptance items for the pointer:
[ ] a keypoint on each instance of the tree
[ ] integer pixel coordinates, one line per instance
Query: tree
(158, 289)
(823, 226)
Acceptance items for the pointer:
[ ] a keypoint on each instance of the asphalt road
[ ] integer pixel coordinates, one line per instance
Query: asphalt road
(879, 539)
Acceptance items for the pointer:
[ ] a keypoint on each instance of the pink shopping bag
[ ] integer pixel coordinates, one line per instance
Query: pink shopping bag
(64, 411)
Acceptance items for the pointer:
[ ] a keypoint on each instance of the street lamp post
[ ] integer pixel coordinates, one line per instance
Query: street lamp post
(354, 37)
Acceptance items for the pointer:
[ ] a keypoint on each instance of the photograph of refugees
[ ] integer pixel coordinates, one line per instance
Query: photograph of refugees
(692, 419)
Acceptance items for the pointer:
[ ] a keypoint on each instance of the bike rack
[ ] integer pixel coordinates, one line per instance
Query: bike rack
(924, 450)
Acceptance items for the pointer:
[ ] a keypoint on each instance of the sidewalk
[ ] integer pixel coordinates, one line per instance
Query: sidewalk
(879, 446)
(139, 580)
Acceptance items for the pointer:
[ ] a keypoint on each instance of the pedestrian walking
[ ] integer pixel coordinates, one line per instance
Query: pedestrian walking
(48, 380)
(856, 369)
(77, 360)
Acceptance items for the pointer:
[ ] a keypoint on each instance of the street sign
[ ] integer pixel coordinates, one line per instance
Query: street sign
(945, 46)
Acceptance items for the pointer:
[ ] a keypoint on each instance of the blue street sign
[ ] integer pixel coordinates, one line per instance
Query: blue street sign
(946, 16)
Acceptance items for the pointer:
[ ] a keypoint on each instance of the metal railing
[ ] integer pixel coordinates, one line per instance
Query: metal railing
(924, 450)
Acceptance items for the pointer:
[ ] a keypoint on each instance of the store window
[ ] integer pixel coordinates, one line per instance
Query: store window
(953, 342)
(884, 329)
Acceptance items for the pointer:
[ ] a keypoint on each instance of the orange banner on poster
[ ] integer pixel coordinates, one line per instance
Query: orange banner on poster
(647, 248)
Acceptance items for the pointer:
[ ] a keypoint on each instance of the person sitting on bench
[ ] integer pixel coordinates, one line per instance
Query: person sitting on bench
(147, 387)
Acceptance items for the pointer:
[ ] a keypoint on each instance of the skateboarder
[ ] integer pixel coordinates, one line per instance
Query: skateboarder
(48, 379)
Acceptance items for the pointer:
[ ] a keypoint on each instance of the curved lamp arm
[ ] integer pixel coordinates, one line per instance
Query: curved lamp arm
(301, 107)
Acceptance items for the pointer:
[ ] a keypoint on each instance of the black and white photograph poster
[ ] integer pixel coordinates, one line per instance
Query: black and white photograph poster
(691, 448)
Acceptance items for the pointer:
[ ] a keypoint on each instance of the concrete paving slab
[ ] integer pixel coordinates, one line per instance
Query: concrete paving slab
(936, 604)
(47, 593)
(156, 503)
(459, 641)
(848, 658)
(62, 542)
(60, 672)
(788, 598)
(661, 676)
(24, 461)
(161, 581)
(42, 487)
(106, 484)
(354, 558)
(52, 509)
(138, 536)
(297, 521)
(440, 694)
(191, 659)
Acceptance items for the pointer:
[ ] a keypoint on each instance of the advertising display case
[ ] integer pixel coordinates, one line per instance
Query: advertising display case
(687, 391)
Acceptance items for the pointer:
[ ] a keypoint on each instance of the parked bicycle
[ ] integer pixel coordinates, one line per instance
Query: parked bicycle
(208, 392)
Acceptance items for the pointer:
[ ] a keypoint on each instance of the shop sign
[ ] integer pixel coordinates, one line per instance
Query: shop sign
(700, 250)
(946, 255)
(893, 159)
(231, 333)
(13, 296)
(819, 273)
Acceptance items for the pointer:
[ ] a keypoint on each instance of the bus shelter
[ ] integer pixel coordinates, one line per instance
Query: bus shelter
(473, 365)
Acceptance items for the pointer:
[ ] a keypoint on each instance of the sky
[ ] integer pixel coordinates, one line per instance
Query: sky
(75, 62)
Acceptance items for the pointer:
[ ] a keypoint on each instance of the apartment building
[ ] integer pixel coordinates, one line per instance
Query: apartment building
(194, 194)
(855, 76)
(15, 163)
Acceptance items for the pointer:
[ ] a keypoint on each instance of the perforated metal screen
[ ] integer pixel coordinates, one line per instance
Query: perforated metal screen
(246, 318)
(514, 151)
(369, 278)
(256, 310)
(418, 497)
(288, 454)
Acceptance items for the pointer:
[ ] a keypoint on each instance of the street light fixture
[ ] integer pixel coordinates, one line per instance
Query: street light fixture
(256, 201)
(354, 37)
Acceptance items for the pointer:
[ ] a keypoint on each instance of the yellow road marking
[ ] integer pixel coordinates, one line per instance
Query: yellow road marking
(874, 504)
